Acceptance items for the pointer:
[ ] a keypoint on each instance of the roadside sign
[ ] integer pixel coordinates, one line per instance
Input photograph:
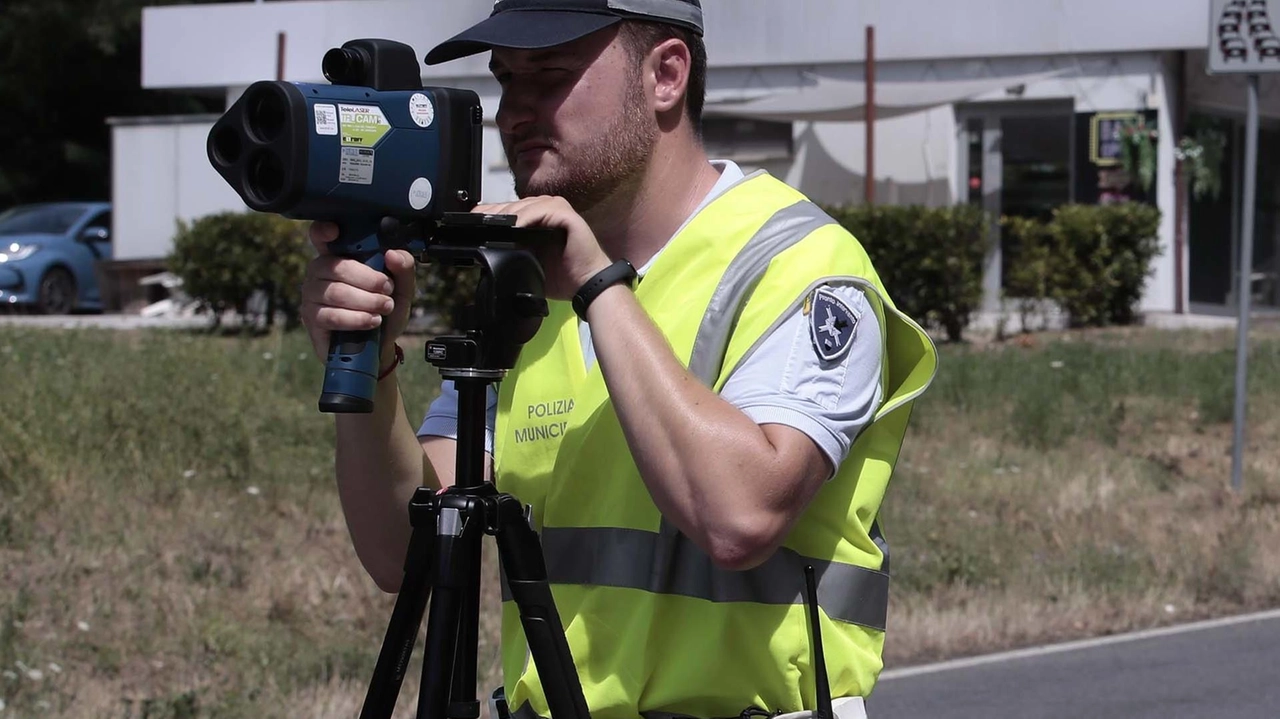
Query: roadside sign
(1244, 36)
(1242, 40)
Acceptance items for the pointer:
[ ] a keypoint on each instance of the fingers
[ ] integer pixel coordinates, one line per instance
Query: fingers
(322, 320)
(321, 234)
(346, 297)
(344, 294)
(336, 319)
(402, 267)
(350, 272)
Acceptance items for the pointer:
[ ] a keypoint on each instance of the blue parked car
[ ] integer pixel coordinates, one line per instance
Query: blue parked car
(49, 254)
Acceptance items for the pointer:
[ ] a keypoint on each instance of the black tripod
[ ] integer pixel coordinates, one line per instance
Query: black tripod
(445, 546)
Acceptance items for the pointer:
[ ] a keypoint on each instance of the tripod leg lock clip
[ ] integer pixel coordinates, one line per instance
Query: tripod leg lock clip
(498, 704)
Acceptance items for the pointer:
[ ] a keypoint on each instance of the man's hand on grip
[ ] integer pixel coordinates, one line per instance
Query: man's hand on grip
(340, 293)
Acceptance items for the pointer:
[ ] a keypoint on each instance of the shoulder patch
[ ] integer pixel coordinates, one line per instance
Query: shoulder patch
(832, 324)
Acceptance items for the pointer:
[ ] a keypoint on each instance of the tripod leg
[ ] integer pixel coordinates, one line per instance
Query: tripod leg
(463, 703)
(457, 563)
(526, 571)
(406, 617)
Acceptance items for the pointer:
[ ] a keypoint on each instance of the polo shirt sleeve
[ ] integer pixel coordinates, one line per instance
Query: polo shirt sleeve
(442, 415)
(787, 381)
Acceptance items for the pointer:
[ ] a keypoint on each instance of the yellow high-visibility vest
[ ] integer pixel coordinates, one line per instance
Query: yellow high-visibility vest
(654, 626)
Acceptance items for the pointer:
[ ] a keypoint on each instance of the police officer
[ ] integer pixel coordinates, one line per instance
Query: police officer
(716, 401)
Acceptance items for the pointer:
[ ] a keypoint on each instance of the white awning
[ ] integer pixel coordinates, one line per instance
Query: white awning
(829, 99)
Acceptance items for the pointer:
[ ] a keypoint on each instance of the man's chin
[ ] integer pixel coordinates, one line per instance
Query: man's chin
(535, 184)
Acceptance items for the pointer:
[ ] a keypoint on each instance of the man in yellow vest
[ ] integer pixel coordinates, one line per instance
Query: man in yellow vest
(690, 434)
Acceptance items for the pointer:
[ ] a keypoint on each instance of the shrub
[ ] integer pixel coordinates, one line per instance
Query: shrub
(1028, 272)
(225, 258)
(930, 259)
(1093, 260)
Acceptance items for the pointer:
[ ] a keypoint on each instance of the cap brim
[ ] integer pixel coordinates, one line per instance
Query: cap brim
(522, 30)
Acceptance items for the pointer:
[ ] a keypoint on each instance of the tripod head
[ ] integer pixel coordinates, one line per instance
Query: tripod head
(509, 297)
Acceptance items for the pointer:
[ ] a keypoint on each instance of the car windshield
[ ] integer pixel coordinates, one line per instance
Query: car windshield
(39, 219)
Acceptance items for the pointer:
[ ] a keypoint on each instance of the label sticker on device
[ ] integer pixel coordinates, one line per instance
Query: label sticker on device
(421, 109)
(357, 166)
(326, 120)
(362, 125)
(420, 193)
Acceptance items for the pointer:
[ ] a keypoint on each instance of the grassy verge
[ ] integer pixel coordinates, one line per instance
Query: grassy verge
(1078, 484)
(171, 543)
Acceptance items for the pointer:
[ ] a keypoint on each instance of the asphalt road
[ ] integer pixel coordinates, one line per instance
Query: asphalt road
(1222, 669)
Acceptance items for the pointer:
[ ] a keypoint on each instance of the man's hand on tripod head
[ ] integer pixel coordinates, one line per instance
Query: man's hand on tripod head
(567, 268)
(344, 294)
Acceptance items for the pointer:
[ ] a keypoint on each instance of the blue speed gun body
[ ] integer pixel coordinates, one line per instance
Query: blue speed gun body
(375, 152)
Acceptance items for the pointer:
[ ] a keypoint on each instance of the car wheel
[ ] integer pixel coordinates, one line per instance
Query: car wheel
(57, 294)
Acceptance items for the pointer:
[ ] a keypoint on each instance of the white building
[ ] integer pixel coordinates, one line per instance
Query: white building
(1004, 103)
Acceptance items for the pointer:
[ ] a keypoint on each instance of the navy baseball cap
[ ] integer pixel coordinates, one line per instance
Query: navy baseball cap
(538, 24)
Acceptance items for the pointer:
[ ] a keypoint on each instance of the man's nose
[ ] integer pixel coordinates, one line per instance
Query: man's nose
(515, 109)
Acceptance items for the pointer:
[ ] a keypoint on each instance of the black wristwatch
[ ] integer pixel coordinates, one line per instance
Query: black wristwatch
(620, 271)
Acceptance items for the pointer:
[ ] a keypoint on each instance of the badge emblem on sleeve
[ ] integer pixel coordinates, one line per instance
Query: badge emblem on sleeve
(832, 324)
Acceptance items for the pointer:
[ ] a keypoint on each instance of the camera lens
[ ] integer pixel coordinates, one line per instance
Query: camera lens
(266, 115)
(226, 146)
(265, 180)
(343, 66)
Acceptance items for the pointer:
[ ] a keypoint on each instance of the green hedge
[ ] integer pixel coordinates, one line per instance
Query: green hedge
(930, 259)
(224, 258)
(1093, 260)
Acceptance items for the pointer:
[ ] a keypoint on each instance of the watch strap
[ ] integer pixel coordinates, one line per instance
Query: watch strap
(620, 271)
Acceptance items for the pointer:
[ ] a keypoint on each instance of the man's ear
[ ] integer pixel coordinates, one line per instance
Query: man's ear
(670, 62)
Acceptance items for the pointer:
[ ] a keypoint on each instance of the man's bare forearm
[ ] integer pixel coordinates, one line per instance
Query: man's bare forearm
(379, 464)
(733, 487)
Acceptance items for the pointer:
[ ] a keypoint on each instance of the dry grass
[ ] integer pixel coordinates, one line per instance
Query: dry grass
(215, 602)
(1107, 509)
(171, 545)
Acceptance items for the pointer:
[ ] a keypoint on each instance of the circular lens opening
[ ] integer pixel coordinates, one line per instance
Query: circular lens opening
(226, 146)
(267, 116)
(344, 66)
(336, 64)
(265, 180)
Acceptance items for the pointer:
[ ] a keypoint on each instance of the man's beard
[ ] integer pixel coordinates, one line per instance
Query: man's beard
(617, 157)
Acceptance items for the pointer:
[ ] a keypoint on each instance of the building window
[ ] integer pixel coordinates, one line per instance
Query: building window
(742, 140)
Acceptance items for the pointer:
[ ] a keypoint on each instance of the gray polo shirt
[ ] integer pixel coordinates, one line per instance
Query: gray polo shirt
(818, 371)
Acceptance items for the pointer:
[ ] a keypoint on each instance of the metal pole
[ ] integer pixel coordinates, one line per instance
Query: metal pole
(280, 55)
(870, 69)
(1244, 283)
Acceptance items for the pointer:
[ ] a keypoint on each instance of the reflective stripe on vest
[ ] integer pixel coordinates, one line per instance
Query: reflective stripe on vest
(673, 564)
(787, 227)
